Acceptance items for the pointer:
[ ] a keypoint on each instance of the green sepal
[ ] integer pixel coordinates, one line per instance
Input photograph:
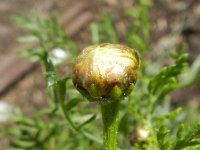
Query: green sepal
(94, 92)
(115, 93)
(84, 92)
(129, 90)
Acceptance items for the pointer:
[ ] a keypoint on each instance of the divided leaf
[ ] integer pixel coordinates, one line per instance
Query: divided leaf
(166, 80)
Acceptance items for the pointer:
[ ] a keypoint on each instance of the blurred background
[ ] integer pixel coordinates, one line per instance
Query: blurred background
(171, 22)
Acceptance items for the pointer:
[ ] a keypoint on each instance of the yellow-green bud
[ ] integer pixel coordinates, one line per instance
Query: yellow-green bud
(106, 71)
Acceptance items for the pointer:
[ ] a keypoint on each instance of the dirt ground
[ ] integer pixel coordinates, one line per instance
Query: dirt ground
(170, 21)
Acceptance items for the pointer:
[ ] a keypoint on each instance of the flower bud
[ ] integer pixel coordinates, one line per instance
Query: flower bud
(106, 71)
(139, 135)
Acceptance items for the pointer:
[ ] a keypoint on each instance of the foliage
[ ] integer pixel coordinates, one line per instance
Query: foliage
(104, 31)
(138, 33)
(46, 32)
(68, 122)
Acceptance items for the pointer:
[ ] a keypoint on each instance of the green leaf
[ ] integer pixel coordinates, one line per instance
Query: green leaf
(48, 65)
(188, 138)
(181, 132)
(95, 33)
(24, 22)
(22, 144)
(170, 85)
(106, 30)
(192, 75)
(137, 42)
(166, 75)
(50, 78)
(25, 121)
(194, 142)
(132, 12)
(90, 119)
(72, 103)
(27, 39)
(170, 116)
(194, 131)
(161, 136)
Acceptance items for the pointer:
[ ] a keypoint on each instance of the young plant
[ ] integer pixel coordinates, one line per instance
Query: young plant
(105, 74)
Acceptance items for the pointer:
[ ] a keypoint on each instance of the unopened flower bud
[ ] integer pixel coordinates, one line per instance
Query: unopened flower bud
(106, 71)
(139, 135)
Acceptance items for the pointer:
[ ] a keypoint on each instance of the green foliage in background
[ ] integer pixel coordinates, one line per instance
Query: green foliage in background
(69, 122)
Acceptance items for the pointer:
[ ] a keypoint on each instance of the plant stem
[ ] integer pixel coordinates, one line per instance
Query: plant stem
(110, 117)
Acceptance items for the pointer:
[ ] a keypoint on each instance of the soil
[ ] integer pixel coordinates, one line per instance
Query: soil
(177, 19)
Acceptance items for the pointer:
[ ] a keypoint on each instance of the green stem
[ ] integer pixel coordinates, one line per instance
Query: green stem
(110, 117)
